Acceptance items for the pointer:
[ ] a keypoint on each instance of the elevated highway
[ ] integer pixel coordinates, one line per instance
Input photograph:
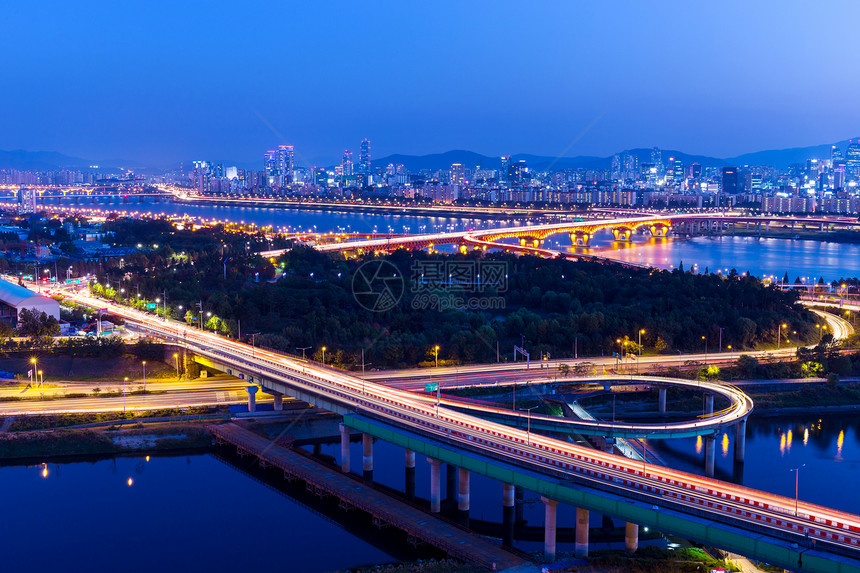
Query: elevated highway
(755, 523)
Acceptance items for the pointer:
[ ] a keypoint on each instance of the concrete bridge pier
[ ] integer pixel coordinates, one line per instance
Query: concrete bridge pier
(519, 499)
(549, 528)
(450, 485)
(278, 404)
(709, 404)
(367, 456)
(435, 485)
(710, 455)
(252, 399)
(463, 491)
(631, 537)
(740, 440)
(344, 449)
(661, 400)
(409, 488)
(581, 547)
(508, 516)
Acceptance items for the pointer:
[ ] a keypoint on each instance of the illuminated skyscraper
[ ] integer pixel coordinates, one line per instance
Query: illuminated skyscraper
(835, 155)
(457, 174)
(364, 158)
(346, 163)
(506, 167)
(26, 201)
(285, 165)
(730, 180)
(852, 158)
(271, 163)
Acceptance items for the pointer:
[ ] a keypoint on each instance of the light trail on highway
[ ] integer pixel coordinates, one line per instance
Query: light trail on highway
(743, 507)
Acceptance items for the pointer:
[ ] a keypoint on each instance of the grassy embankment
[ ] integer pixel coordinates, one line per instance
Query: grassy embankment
(30, 437)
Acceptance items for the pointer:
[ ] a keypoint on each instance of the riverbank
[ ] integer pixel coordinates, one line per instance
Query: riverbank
(62, 442)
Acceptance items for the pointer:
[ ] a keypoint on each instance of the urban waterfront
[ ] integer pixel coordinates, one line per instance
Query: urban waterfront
(198, 502)
(809, 259)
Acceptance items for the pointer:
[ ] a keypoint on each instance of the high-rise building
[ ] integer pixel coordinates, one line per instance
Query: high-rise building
(346, 163)
(518, 171)
(202, 177)
(839, 175)
(852, 158)
(26, 201)
(835, 155)
(271, 162)
(457, 174)
(730, 180)
(506, 167)
(657, 159)
(286, 165)
(364, 158)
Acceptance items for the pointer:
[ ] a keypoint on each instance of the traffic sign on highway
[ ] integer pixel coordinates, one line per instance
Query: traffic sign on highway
(431, 387)
(151, 305)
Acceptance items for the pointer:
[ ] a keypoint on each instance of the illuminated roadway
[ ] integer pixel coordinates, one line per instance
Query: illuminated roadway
(745, 508)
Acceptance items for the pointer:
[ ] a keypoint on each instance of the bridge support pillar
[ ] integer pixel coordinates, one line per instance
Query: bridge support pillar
(367, 455)
(252, 398)
(581, 547)
(450, 485)
(409, 488)
(710, 455)
(463, 491)
(551, 510)
(709, 404)
(435, 485)
(631, 537)
(740, 440)
(344, 449)
(508, 511)
(661, 393)
(519, 499)
(278, 404)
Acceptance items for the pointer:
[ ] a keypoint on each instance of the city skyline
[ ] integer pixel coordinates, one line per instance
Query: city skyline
(554, 81)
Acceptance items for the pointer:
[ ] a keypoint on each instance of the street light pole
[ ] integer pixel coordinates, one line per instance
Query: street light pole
(796, 484)
(144, 376)
(436, 355)
(529, 424)
(323, 355)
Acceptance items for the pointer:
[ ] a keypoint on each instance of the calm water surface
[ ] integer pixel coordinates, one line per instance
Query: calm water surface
(829, 445)
(190, 513)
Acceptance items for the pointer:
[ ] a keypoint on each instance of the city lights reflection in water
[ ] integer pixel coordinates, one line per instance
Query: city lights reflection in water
(839, 442)
(698, 444)
(725, 444)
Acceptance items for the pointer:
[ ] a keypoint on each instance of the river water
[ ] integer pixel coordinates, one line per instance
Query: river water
(199, 513)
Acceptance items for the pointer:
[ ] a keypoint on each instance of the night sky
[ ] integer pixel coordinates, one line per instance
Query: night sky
(164, 82)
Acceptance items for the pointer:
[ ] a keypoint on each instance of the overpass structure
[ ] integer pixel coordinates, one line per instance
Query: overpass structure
(758, 524)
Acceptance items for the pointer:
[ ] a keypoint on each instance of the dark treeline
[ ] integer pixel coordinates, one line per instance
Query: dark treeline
(550, 306)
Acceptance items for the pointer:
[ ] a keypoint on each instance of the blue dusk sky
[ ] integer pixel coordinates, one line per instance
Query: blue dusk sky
(163, 82)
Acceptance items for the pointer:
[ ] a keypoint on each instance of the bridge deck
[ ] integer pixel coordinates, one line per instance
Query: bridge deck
(457, 542)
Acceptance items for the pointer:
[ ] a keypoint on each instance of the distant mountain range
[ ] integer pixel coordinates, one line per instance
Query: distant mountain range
(46, 160)
(780, 158)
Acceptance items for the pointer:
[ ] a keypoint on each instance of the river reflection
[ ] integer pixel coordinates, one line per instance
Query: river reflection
(829, 448)
(168, 513)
